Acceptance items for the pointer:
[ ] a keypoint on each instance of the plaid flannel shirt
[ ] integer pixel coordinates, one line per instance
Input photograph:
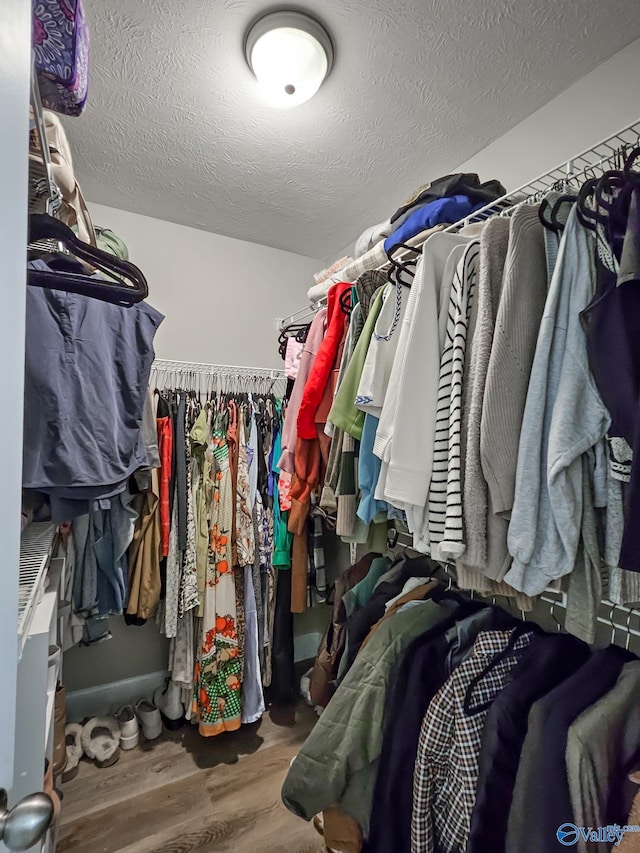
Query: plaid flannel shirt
(446, 768)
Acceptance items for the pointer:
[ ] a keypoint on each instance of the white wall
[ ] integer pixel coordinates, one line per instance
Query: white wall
(595, 107)
(220, 296)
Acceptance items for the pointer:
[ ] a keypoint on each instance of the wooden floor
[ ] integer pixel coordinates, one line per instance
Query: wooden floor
(185, 793)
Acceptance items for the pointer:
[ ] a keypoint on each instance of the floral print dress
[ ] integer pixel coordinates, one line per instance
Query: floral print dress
(217, 678)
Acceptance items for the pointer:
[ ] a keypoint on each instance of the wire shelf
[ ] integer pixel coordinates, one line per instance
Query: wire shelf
(620, 618)
(36, 544)
(608, 154)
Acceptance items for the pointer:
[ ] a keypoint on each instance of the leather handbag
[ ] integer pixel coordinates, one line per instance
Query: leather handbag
(61, 53)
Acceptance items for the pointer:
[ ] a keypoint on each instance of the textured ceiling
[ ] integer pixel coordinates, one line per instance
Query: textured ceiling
(174, 128)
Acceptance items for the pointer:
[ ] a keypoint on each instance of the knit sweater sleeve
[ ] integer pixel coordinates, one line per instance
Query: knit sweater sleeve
(546, 520)
(493, 252)
(524, 292)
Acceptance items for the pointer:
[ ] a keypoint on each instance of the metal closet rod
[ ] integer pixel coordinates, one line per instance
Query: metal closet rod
(601, 620)
(166, 365)
(405, 542)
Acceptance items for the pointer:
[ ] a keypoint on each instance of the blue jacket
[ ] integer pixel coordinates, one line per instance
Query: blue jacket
(442, 210)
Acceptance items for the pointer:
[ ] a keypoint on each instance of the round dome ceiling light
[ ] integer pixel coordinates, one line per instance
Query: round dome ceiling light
(290, 55)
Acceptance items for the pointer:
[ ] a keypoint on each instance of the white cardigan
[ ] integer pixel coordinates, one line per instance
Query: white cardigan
(406, 432)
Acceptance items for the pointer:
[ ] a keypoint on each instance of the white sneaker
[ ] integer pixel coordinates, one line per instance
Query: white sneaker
(150, 719)
(169, 701)
(128, 722)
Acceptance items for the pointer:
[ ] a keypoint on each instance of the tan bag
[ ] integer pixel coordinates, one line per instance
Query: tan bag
(73, 211)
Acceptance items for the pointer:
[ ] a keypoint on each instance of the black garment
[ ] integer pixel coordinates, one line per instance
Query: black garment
(461, 184)
(545, 664)
(283, 681)
(263, 474)
(541, 797)
(362, 621)
(424, 668)
(611, 323)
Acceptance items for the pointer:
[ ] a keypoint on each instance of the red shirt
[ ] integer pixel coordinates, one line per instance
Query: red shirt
(323, 364)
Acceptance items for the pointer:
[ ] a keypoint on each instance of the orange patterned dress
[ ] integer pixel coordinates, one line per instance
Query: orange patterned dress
(217, 680)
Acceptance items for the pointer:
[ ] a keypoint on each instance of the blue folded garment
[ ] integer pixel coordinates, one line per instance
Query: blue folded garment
(449, 210)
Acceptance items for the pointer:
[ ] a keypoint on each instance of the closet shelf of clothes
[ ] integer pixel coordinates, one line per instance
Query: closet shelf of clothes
(485, 398)
(469, 395)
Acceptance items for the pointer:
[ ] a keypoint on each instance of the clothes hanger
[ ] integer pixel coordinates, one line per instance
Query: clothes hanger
(345, 302)
(566, 198)
(299, 331)
(587, 216)
(398, 267)
(545, 210)
(130, 288)
(630, 175)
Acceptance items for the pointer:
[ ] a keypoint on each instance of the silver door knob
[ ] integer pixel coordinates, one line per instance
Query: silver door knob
(27, 822)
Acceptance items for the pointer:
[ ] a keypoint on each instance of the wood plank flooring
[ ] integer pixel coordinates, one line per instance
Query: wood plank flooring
(185, 793)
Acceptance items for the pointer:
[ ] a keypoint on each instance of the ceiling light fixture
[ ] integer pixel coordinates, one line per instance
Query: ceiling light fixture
(290, 55)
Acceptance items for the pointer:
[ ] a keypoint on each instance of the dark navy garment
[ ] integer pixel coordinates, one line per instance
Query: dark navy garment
(546, 663)
(612, 327)
(425, 666)
(541, 797)
(87, 370)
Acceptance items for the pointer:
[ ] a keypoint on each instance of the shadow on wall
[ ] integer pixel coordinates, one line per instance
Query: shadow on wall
(132, 652)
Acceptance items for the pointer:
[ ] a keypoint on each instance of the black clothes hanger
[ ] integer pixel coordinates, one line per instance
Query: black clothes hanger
(68, 275)
(345, 302)
(544, 214)
(630, 175)
(400, 267)
(557, 223)
(299, 331)
(588, 217)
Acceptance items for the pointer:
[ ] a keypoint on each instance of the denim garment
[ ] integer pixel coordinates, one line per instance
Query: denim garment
(101, 542)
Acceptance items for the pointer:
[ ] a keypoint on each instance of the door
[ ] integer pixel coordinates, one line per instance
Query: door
(15, 60)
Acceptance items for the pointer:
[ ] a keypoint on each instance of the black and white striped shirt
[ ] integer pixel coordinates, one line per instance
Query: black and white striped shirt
(445, 491)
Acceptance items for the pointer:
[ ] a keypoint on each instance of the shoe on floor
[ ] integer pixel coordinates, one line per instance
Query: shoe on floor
(101, 740)
(169, 702)
(73, 739)
(150, 719)
(129, 729)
